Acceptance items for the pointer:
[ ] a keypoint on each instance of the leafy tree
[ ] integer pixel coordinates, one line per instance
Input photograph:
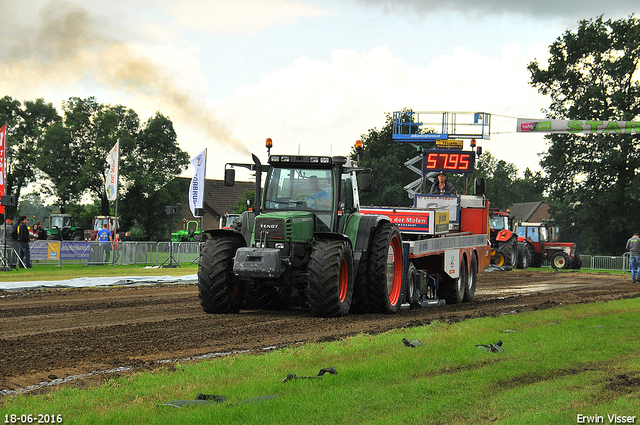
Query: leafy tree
(73, 152)
(241, 205)
(503, 187)
(386, 158)
(26, 126)
(150, 183)
(594, 179)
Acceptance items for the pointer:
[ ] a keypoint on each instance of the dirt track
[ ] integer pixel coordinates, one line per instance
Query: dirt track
(80, 336)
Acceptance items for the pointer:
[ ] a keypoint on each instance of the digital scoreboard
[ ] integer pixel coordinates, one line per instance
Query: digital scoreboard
(448, 160)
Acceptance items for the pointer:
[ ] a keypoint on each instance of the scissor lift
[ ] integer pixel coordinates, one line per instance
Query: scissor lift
(436, 127)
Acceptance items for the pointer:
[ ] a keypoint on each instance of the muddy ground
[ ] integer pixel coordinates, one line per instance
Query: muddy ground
(83, 336)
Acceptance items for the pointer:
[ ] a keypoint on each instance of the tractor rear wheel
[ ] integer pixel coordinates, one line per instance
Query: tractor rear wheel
(330, 278)
(525, 255)
(385, 269)
(576, 264)
(220, 291)
(472, 280)
(561, 261)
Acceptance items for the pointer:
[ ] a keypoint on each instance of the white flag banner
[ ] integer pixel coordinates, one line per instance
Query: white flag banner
(577, 126)
(196, 189)
(111, 184)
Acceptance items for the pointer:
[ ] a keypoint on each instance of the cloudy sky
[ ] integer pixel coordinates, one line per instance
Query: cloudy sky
(314, 75)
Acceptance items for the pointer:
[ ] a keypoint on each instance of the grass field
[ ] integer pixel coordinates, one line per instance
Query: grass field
(558, 366)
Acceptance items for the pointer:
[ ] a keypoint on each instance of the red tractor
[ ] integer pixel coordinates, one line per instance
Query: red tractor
(539, 242)
(504, 243)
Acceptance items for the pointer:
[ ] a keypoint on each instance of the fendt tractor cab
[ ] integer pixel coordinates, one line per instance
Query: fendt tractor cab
(542, 243)
(62, 227)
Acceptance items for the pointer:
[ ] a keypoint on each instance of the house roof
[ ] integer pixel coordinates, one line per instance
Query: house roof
(524, 210)
(221, 199)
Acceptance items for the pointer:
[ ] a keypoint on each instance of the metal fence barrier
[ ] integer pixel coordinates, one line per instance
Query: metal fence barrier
(177, 253)
(99, 253)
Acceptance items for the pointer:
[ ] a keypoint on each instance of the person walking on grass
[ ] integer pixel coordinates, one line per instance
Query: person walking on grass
(633, 248)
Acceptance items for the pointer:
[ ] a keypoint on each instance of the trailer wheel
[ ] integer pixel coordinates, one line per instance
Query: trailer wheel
(452, 290)
(560, 260)
(472, 280)
(412, 294)
(385, 269)
(330, 278)
(220, 291)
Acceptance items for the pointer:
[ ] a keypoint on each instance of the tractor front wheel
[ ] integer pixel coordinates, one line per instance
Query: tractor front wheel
(331, 278)
(220, 291)
(561, 261)
(385, 269)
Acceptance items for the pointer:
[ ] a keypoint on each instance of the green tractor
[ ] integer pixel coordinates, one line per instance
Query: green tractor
(62, 227)
(305, 241)
(190, 233)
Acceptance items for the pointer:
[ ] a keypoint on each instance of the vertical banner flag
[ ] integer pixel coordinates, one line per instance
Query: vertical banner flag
(196, 189)
(3, 137)
(111, 184)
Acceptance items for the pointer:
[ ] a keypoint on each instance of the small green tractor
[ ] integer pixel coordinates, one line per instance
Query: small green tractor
(190, 233)
(63, 227)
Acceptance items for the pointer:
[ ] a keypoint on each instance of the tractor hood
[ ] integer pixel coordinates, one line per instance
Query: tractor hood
(289, 226)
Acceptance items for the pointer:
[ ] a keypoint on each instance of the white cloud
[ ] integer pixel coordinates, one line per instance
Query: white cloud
(322, 107)
(246, 17)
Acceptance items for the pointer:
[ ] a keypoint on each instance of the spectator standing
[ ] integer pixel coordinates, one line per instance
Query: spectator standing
(128, 249)
(104, 241)
(38, 231)
(23, 241)
(116, 247)
(633, 247)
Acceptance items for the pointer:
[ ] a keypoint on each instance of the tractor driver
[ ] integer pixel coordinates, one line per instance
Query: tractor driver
(442, 186)
(321, 198)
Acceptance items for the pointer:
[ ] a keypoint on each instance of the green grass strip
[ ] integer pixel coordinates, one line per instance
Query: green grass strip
(560, 364)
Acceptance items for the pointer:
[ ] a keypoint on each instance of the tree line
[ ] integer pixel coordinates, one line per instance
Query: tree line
(64, 156)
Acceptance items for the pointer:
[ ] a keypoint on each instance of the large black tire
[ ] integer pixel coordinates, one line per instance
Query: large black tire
(576, 264)
(260, 295)
(220, 291)
(384, 271)
(561, 261)
(360, 299)
(525, 255)
(412, 294)
(452, 290)
(509, 250)
(472, 280)
(331, 278)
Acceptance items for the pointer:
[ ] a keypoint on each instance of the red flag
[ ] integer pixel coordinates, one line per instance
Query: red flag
(3, 138)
